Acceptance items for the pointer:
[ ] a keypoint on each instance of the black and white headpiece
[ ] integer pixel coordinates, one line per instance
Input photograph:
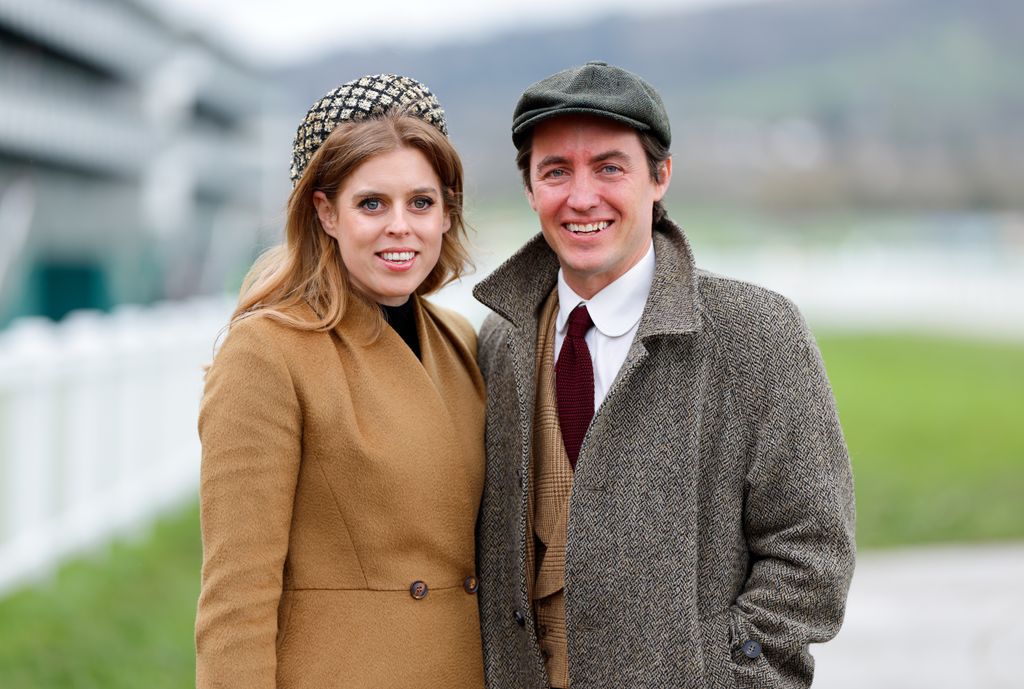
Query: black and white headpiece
(361, 99)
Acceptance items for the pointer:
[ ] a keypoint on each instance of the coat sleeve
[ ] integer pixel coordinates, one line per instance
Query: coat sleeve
(486, 348)
(250, 427)
(798, 519)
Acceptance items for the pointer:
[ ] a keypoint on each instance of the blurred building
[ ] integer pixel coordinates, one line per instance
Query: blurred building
(133, 158)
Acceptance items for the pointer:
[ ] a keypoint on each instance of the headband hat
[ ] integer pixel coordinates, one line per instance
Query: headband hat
(365, 98)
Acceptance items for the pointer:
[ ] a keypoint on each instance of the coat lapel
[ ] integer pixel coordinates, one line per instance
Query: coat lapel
(519, 302)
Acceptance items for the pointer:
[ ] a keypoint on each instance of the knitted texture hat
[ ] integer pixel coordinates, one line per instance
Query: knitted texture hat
(596, 88)
(360, 99)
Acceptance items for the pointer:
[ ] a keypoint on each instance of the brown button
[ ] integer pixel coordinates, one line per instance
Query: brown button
(471, 584)
(418, 590)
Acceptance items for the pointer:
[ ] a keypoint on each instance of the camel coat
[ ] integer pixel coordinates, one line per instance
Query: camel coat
(338, 476)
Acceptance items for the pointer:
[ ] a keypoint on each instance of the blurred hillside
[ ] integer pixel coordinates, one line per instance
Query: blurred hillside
(794, 104)
(154, 167)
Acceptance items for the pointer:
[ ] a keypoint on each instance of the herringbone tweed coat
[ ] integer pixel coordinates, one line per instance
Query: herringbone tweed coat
(712, 503)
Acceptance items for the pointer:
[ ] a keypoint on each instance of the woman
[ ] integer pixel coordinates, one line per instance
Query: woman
(342, 423)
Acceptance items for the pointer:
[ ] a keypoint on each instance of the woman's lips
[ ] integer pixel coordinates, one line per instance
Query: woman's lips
(397, 260)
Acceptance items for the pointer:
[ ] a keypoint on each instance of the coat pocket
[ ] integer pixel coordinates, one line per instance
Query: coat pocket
(751, 669)
(284, 618)
(716, 643)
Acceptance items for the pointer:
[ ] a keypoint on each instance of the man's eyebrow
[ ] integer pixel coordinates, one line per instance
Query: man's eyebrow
(552, 160)
(600, 157)
(608, 155)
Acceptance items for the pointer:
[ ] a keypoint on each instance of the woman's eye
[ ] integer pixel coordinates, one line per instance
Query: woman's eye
(422, 203)
(371, 204)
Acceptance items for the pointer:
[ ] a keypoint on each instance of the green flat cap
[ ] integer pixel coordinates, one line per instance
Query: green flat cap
(596, 88)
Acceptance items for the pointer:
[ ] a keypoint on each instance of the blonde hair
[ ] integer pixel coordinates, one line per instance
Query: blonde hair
(307, 269)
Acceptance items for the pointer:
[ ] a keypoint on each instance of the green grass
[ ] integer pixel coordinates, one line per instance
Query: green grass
(935, 434)
(122, 617)
(934, 429)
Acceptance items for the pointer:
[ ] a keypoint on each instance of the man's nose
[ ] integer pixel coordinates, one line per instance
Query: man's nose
(583, 194)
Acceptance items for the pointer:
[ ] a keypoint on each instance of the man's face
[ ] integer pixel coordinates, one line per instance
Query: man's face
(593, 193)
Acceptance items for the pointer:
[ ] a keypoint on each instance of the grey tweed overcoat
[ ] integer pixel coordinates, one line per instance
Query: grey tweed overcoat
(710, 529)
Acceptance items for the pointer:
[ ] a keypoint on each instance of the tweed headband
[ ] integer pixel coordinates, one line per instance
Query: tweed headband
(361, 99)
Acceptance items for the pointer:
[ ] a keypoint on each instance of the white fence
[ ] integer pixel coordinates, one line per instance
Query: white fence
(960, 291)
(98, 413)
(97, 426)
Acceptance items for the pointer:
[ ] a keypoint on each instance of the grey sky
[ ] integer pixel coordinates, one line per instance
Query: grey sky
(277, 31)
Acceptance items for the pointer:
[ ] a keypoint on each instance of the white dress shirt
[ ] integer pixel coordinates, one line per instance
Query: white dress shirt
(616, 312)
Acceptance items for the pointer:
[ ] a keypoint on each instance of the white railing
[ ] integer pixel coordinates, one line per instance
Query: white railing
(98, 413)
(97, 426)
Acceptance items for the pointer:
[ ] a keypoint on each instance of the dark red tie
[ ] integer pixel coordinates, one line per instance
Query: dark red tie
(574, 383)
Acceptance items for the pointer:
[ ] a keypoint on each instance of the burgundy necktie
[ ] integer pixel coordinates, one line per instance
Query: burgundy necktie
(574, 383)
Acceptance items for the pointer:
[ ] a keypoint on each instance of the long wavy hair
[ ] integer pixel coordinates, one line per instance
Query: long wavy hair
(307, 269)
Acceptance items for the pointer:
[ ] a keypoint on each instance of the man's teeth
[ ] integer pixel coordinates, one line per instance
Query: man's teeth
(397, 255)
(587, 229)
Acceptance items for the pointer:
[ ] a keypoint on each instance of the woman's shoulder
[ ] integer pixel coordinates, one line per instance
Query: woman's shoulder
(453, 321)
(269, 334)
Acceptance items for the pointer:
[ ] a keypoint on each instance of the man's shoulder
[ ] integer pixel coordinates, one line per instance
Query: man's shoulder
(759, 335)
(493, 331)
(743, 311)
(727, 294)
(493, 326)
(491, 346)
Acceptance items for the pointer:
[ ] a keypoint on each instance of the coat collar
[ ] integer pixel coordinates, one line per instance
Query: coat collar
(516, 290)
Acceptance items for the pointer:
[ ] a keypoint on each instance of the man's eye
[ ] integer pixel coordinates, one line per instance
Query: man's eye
(611, 169)
(556, 172)
(371, 204)
(422, 203)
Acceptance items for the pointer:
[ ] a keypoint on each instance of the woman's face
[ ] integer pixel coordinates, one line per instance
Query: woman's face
(388, 219)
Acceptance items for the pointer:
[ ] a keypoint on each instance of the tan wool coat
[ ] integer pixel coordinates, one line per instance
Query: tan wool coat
(339, 476)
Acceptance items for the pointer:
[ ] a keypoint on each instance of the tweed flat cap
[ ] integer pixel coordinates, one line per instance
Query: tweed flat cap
(596, 88)
(361, 99)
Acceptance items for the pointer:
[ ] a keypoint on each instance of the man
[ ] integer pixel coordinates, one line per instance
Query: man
(668, 499)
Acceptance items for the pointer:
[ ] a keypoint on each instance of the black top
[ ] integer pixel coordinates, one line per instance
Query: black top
(403, 320)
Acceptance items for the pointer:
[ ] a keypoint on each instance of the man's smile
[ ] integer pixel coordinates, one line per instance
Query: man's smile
(589, 228)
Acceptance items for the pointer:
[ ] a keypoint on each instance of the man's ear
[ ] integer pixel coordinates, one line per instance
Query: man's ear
(664, 177)
(326, 212)
(529, 197)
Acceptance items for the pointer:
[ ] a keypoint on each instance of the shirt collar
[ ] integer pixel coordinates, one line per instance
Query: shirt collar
(616, 308)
